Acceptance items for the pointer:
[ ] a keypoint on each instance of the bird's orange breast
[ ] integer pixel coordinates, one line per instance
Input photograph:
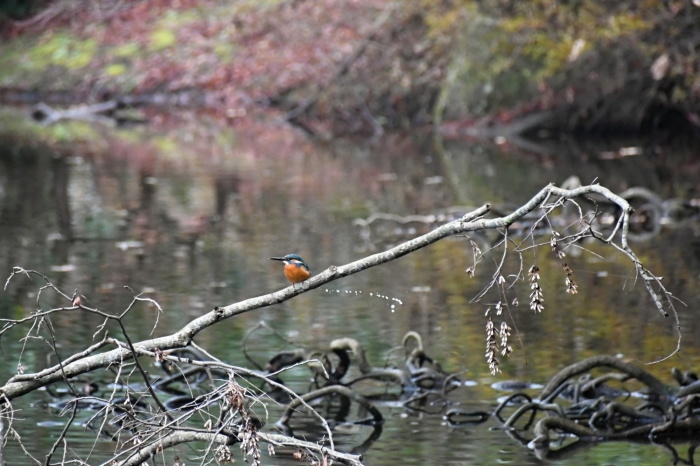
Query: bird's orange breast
(296, 273)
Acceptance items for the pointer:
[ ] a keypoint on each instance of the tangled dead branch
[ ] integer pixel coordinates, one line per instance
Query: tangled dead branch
(578, 404)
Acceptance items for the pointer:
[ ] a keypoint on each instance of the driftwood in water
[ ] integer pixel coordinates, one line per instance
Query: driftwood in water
(50, 107)
(586, 407)
(103, 112)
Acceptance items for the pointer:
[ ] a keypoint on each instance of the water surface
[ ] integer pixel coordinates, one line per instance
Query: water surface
(189, 212)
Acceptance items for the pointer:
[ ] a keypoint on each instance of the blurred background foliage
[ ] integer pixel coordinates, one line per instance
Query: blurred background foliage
(628, 65)
(614, 62)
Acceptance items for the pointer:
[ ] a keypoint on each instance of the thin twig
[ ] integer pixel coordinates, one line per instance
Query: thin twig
(63, 433)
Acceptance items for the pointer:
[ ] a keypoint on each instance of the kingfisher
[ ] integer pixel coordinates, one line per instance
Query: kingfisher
(295, 269)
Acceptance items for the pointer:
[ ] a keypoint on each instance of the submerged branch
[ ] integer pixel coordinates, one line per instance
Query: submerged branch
(655, 385)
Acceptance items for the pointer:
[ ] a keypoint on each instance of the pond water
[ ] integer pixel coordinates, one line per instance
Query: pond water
(188, 212)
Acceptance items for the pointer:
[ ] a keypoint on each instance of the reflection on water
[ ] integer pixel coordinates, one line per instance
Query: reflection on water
(188, 215)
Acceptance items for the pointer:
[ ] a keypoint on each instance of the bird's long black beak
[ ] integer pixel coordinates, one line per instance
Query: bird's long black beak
(276, 258)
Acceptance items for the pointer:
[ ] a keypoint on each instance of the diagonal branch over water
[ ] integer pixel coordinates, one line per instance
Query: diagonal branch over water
(472, 221)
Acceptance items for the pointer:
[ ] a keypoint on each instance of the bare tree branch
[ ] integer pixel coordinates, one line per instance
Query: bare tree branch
(143, 425)
(472, 221)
